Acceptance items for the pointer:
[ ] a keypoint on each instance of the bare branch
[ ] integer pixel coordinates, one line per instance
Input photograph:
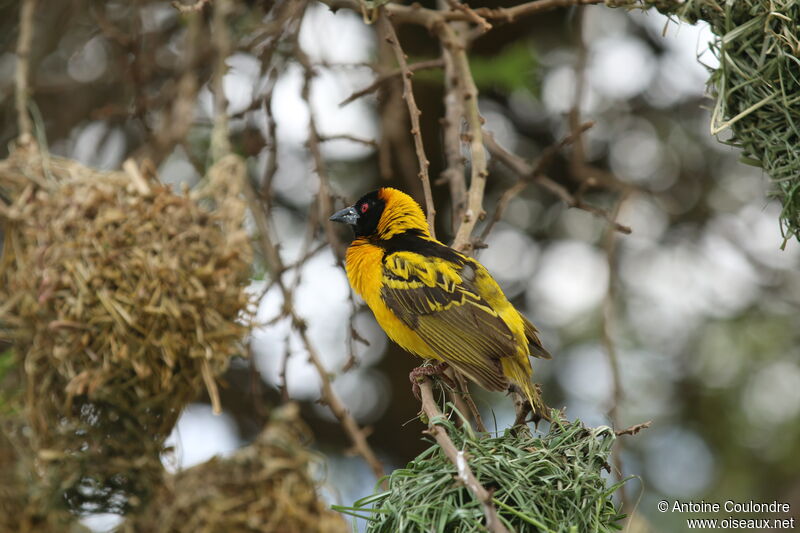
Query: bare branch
(356, 433)
(528, 173)
(324, 202)
(510, 14)
(348, 137)
(24, 122)
(466, 398)
(372, 87)
(471, 15)
(220, 36)
(634, 429)
(416, 14)
(329, 396)
(190, 8)
(457, 45)
(458, 458)
(451, 129)
(177, 117)
(413, 14)
(414, 113)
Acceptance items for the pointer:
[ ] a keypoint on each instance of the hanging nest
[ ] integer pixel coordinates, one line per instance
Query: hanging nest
(266, 487)
(550, 483)
(122, 299)
(756, 87)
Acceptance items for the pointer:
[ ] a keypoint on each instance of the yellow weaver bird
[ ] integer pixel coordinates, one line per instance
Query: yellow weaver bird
(434, 301)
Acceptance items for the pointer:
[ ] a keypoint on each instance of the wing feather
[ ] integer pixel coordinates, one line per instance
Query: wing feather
(537, 350)
(441, 301)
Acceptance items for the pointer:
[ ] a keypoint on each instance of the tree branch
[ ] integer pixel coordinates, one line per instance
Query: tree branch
(24, 122)
(634, 429)
(220, 37)
(453, 174)
(458, 458)
(418, 15)
(414, 113)
(527, 173)
(457, 45)
(190, 8)
(471, 15)
(372, 87)
(511, 14)
(328, 396)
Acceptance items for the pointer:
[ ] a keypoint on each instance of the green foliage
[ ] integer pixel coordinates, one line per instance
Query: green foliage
(515, 67)
(553, 482)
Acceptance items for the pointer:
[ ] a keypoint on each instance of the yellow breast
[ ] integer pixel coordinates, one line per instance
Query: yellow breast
(365, 272)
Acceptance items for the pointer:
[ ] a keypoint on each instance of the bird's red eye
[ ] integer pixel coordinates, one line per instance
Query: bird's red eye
(364, 207)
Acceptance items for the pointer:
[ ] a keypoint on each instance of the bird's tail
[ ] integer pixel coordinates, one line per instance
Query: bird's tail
(521, 377)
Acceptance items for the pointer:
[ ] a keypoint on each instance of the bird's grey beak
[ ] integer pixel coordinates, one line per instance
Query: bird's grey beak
(348, 215)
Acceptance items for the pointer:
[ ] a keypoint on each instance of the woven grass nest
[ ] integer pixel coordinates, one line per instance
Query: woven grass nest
(757, 85)
(265, 487)
(122, 300)
(553, 482)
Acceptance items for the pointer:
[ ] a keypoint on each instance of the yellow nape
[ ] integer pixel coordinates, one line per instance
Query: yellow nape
(402, 213)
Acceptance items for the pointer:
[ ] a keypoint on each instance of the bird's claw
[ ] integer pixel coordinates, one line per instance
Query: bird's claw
(426, 371)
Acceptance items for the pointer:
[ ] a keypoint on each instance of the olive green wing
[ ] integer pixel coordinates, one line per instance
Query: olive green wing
(441, 302)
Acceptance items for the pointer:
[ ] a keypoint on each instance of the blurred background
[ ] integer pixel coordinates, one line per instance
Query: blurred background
(699, 303)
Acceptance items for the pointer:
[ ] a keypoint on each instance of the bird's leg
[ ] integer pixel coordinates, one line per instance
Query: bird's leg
(425, 371)
(522, 408)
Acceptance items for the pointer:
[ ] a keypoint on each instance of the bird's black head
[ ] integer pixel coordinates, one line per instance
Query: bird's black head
(364, 215)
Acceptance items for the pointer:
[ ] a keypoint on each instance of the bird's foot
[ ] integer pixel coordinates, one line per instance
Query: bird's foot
(523, 408)
(426, 371)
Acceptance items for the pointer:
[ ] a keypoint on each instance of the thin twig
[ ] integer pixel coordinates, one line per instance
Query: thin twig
(429, 18)
(457, 44)
(467, 398)
(458, 458)
(473, 17)
(526, 172)
(282, 379)
(177, 115)
(356, 433)
(348, 137)
(511, 14)
(329, 396)
(220, 37)
(372, 87)
(286, 20)
(578, 150)
(324, 201)
(22, 75)
(414, 113)
(453, 174)
(607, 335)
(271, 168)
(190, 8)
(634, 429)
